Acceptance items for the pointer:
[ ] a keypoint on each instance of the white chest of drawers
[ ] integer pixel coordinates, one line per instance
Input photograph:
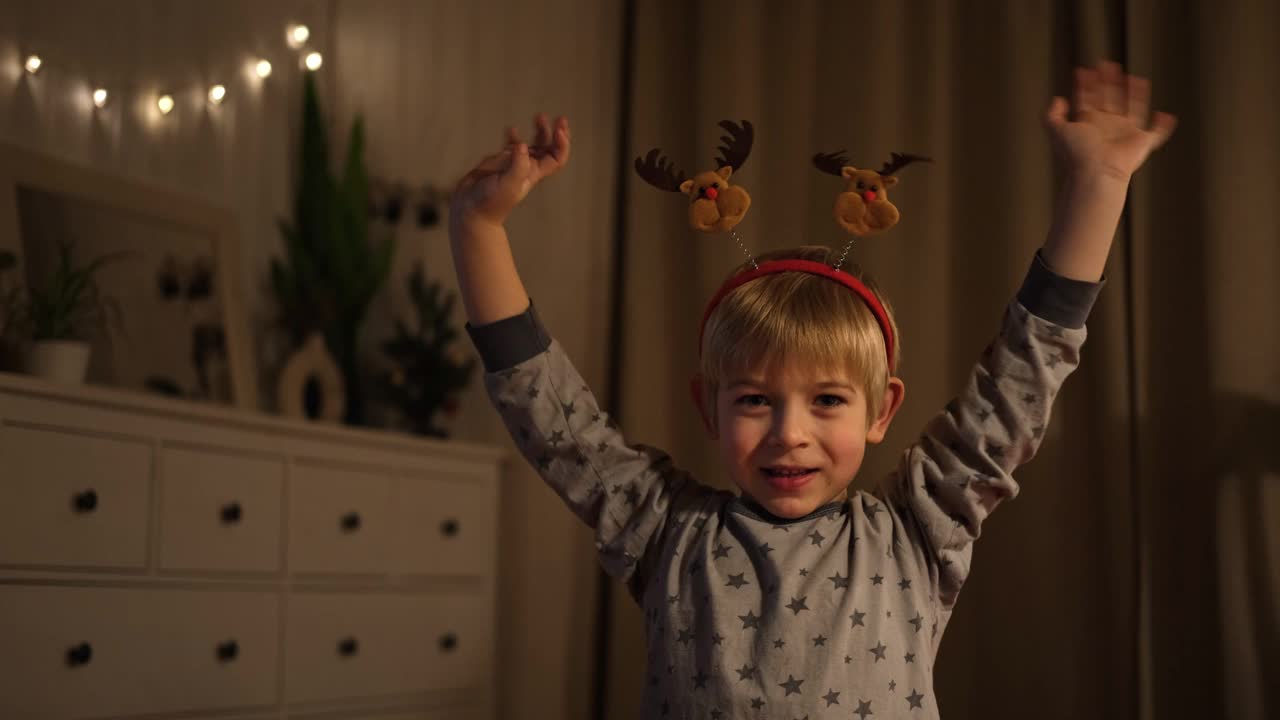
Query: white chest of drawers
(165, 559)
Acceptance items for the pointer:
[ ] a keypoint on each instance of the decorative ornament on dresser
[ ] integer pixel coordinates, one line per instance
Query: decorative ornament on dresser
(310, 386)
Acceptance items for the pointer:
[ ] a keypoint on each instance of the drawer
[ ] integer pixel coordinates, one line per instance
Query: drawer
(444, 527)
(73, 500)
(140, 651)
(219, 511)
(339, 520)
(351, 645)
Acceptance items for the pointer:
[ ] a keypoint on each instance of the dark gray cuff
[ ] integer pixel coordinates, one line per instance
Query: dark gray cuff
(1055, 298)
(508, 342)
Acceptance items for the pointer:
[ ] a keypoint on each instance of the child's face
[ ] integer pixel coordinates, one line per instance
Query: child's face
(793, 440)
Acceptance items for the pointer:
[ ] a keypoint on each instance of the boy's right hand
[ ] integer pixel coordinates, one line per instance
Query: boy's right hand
(499, 182)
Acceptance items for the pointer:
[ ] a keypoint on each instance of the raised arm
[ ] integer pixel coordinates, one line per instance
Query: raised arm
(962, 467)
(487, 277)
(624, 492)
(1104, 141)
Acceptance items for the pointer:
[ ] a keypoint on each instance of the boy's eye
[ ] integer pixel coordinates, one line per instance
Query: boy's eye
(752, 400)
(830, 401)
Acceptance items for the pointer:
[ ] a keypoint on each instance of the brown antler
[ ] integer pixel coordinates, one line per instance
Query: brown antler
(737, 144)
(831, 163)
(658, 171)
(897, 161)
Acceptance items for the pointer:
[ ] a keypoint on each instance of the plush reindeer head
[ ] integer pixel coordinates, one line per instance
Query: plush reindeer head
(863, 208)
(714, 204)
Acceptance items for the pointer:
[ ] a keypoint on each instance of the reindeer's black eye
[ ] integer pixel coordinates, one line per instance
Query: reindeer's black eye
(861, 186)
(716, 186)
(874, 188)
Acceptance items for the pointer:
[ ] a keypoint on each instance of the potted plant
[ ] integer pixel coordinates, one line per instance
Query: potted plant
(427, 374)
(331, 268)
(60, 315)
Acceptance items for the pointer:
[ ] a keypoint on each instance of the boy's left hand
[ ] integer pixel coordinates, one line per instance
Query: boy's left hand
(1108, 133)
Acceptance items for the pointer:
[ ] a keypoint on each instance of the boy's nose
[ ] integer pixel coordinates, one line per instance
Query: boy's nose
(788, 430)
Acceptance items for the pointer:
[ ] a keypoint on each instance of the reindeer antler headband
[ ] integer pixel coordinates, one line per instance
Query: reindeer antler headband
(861, 209)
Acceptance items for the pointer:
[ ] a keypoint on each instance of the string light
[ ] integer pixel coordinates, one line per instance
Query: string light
(297, 35)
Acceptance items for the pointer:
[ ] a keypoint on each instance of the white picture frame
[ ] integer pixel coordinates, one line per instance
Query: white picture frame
(90, 194)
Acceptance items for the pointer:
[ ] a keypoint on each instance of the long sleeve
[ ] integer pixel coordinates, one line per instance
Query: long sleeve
(624, 492)
(961, 468)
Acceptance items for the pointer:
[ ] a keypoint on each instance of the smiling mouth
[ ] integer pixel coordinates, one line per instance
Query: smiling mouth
(788, 478)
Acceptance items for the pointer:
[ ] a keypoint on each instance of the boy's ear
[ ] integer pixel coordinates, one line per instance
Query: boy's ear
(893, 397)
(697, 389)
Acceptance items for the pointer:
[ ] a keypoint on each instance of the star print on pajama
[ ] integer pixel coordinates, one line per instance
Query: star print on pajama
(835, 614)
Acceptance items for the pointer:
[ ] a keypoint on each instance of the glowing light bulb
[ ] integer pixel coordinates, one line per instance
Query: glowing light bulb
(216, 94)
(263, 68)
(100, 97)
(314, 61)
(33, 64)
(297, 35)
(165, 104)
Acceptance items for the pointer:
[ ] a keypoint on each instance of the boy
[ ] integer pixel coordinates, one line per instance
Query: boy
(796, 598)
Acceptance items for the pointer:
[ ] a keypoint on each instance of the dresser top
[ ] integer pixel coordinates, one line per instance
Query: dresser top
(102, 397)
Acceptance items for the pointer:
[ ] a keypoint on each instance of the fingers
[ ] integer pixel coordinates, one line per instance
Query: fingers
(1056, 114)
(552, 157)
(528, 163)
(1139, 93)
(517, 177)
(1111, 87)
(1162, 126)
(542, 130)
(560, 141)
(1086, 99)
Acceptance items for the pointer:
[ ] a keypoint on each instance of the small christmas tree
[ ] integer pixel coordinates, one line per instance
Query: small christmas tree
(425, 378)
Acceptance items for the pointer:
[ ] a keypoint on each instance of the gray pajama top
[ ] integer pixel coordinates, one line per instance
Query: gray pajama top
(834, 615)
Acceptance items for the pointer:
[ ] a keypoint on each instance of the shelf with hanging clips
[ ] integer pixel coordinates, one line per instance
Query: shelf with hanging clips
(392, 200)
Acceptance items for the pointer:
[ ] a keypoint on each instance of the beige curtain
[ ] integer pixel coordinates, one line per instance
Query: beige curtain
(1134, 576)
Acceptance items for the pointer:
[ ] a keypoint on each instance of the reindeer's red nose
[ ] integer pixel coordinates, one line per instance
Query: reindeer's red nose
(711, 193)
(868, 196)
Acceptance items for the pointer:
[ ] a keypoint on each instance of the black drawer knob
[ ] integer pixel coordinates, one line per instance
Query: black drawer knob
(232, 513)
(85, 502)
(78, 655)
(449, 527)
(351, 522)
(348, 647)
(228, 651)
(448, 642)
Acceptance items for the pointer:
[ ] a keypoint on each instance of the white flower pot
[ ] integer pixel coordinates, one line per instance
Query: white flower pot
(63, 361)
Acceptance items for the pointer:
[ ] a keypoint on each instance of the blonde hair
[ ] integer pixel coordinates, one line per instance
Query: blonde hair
(792, 316)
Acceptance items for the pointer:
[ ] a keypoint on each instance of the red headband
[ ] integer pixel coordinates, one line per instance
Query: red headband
(813, 268)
